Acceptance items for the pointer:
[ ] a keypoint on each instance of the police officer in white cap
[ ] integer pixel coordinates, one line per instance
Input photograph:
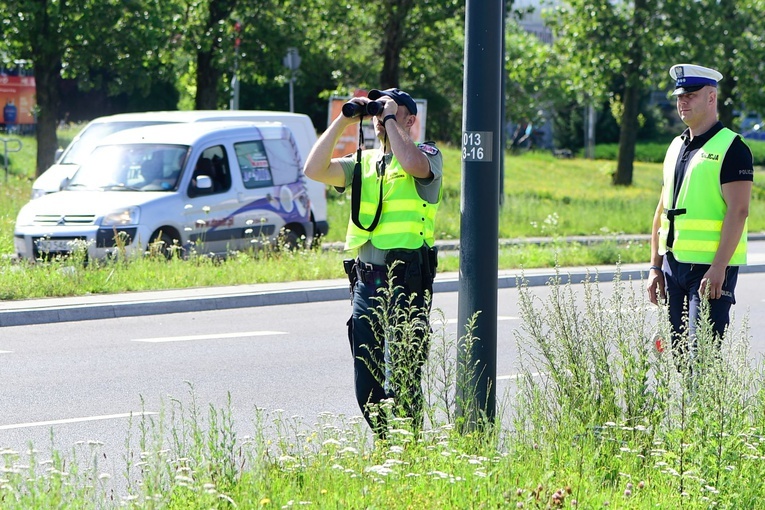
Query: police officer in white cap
(699, 230)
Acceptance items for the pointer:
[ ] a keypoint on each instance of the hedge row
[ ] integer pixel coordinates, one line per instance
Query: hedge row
(654, 152)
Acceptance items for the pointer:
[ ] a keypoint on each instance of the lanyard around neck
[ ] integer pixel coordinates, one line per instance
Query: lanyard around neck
(356, 185)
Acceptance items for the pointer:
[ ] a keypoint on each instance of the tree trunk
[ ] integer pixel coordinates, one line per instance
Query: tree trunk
(393, 42)
(627, 136)
(725, 101)
(727, 93)
(208, 73)
(47, 69)
(632, 92)
(726, 98)
(207, 82)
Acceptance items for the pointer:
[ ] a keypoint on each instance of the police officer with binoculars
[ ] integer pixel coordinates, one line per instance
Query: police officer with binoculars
(395, 193)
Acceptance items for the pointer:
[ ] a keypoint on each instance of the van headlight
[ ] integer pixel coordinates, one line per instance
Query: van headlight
(128, 216)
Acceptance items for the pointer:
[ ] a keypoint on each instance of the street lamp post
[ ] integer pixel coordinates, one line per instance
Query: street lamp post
(234, 103)
(292, 62)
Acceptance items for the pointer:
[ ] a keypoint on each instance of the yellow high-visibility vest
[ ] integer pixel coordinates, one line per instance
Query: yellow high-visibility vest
(407, 221)
(700, 209)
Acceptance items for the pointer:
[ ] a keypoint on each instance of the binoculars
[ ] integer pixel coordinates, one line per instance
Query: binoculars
(351, 109)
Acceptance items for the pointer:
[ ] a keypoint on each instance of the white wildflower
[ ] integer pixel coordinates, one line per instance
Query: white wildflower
(380, 470)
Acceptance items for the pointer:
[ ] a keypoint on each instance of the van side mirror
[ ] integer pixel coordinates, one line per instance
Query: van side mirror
(204, 182)
(58, 154)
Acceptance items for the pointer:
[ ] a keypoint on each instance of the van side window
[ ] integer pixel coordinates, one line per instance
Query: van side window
(253, 163)
(214, 164)
(285, 160)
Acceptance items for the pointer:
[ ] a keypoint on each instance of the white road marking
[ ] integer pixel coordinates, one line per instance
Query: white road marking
(6, 352)
(499, 318)
(208, 337)
(73, 420)
(517, 376)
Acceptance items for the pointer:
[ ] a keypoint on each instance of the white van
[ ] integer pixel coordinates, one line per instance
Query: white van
(57, 176)
(212, 187)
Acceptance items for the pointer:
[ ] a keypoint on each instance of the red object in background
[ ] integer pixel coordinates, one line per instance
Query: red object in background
(238, 29)
(19, 91)
(659, 341)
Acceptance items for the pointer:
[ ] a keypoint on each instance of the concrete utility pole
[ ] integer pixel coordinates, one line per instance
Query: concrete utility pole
(479, 209)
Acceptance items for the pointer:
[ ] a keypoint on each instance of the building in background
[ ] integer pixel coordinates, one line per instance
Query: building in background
(17, 97)
(532, 20)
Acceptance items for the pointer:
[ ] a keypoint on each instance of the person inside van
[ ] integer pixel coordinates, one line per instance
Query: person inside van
(153, 174)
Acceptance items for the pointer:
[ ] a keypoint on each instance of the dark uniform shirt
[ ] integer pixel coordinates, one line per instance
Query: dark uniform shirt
(738, 164)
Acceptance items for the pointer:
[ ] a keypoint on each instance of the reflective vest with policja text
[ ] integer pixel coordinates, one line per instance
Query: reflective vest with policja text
(697, 229)
(407, 221)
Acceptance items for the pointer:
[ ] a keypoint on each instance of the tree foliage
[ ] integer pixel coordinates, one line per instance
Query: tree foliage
(605, 52)
(93, 41)
(728, 35)
(613, 42)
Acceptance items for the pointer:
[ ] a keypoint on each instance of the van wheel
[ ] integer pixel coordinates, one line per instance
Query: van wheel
(290, 240)
(162, 245)
(316, 242)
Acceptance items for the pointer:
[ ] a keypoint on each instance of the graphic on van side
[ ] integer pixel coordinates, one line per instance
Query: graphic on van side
(292, 206)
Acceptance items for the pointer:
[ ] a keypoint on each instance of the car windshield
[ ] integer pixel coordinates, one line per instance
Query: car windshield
(131, 167)
(82, 146)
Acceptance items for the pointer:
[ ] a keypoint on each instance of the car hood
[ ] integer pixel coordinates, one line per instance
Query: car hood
(90, 202)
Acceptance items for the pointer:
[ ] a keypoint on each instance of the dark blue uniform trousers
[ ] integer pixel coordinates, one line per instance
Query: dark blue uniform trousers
(375, 359)
(682, 284)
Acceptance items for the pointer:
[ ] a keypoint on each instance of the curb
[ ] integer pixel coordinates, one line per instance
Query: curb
(52, 310)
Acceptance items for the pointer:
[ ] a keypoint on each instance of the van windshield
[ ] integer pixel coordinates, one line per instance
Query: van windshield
(83, 145)
(131, 167)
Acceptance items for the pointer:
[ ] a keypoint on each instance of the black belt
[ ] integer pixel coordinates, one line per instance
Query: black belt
(371, 274)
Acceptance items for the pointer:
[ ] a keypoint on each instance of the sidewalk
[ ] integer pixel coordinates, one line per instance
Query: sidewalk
(108, 306)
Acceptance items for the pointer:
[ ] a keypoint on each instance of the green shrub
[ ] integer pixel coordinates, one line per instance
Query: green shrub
(650, 152)
(653, 152)
(593, 417)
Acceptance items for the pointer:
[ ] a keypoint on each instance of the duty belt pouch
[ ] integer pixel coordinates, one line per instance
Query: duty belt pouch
(432, 261)
(349, 266)
(408, 273)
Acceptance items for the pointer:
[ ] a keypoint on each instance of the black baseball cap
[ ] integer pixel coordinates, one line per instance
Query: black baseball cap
(398, 95)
